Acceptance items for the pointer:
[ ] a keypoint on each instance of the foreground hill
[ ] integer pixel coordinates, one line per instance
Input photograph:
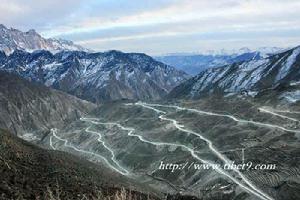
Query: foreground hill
(250, 77)
(96, 77)
(29, 172)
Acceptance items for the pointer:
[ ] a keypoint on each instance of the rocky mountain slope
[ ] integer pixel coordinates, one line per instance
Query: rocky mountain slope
(12, 39)
(30, 110)
(248, 77)
(27, 108)
(96, 77)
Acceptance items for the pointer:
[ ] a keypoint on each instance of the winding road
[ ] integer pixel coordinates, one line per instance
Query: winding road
(150, 106)
(251, 187)
(120, 169)
(235, 175)
(273, 112)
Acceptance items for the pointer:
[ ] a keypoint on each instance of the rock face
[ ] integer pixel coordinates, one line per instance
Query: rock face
(250, 77)
(27, 107)
(12, 39)
(96, 77)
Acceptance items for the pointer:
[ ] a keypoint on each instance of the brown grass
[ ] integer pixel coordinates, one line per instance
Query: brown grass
(121, 194)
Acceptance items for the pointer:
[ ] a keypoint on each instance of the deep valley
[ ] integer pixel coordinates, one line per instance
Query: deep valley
(79, 124)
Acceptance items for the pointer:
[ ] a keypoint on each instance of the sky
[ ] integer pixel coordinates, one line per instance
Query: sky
(159, 26)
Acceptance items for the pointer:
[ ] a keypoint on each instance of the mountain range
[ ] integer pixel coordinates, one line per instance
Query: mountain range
(196, 63)
(96, 77)
(250, 77)
(12, 39)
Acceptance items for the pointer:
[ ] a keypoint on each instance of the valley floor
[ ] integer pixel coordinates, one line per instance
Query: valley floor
(138, 139)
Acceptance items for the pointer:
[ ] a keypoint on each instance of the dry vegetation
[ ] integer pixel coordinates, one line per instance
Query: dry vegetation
(118, 195)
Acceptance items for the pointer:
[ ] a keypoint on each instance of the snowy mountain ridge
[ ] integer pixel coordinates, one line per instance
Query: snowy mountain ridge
(264, 51)
(267, 51)
(97, 77)
(12, 39)
(250, 76)
(194, 63)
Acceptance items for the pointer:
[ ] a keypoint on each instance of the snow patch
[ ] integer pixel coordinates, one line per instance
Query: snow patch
(29, 137)
(291, 97)
(285, 69)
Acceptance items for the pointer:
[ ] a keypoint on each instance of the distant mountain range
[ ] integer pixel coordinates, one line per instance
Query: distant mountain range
(12, 39)
(264, 51)
(196, 62)
(250, 77)
(96, 77)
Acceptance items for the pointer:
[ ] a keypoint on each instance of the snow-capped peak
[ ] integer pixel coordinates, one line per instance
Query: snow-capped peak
(12, 39)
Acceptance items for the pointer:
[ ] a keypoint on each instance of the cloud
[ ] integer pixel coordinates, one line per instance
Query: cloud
(142, 25)
(41, 15)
